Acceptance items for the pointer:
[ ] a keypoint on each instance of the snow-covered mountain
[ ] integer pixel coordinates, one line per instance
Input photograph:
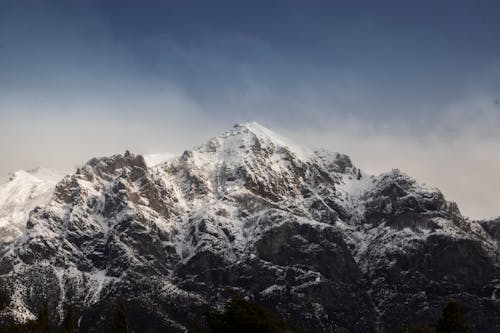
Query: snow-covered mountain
(23, 191)
(305, 232)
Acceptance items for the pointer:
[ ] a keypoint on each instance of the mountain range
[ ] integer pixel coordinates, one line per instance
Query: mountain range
(304, 232)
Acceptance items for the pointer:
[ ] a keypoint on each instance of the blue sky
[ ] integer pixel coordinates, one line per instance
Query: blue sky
(416, 81)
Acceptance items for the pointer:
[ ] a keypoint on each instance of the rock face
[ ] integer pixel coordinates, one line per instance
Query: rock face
(306, 233)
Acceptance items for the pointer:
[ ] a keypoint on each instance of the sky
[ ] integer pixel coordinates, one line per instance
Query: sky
(407, 84)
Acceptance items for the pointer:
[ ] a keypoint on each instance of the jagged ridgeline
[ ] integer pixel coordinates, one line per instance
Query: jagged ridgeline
(304, 233)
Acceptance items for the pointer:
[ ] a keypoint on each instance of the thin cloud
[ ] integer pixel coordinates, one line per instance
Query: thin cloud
(458, 153)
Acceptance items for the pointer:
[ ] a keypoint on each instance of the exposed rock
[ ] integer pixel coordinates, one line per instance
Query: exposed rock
(306, 233)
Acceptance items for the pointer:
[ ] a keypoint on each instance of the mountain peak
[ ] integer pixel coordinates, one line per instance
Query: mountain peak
(247, 211)
(254, 127)
(259, 131)
(252, 134)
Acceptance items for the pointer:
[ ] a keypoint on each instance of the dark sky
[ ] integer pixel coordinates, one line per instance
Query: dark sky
(86, 77)
(399, 57)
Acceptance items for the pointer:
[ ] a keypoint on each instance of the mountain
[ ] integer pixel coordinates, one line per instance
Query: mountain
(304, 232)
(22, 192)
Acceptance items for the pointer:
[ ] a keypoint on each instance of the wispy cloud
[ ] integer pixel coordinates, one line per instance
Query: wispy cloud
(81, 78)
(458, 152)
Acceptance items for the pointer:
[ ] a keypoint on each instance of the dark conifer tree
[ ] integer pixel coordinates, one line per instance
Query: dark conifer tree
(4, 301)
(196, 326)
(68, 325)
(120, 320)
(453, 320)
(244, 316)
(43, 323)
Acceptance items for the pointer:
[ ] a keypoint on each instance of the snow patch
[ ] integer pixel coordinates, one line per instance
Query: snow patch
(153, 160)
(22, 193)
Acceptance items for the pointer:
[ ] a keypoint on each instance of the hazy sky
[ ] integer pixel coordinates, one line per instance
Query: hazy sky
(407, 84)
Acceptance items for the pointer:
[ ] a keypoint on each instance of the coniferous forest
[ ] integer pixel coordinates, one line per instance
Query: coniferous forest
(239, 315)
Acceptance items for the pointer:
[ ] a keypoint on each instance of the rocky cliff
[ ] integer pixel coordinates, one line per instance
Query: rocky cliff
(306, 233)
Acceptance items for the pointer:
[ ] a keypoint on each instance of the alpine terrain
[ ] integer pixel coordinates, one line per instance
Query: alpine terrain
(306, 233)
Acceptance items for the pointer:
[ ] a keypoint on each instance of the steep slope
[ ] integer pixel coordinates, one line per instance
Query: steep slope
(24, 190)
(418, 252)
(492, 227)
(20, 194)
(261, 218)
(305, 232)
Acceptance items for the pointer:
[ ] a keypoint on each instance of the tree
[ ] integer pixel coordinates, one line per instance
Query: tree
(453, 320)
(244, 316)
(196, 326)
(4, 300)
(43, 323)
(120, 320)
(68, 325)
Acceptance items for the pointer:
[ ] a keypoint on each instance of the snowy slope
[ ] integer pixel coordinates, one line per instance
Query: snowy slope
(243, 174)
(392, 214)
(303, 231)
(24, 190)
(20, 194)
(156, 159)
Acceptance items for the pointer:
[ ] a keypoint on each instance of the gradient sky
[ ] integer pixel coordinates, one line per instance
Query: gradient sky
(408, 84)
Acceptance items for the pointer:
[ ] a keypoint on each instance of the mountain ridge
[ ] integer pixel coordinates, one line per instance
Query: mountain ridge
(293, 228)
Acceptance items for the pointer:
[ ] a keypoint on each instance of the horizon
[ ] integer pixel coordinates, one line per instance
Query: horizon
(153, 159)
(414, 86)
